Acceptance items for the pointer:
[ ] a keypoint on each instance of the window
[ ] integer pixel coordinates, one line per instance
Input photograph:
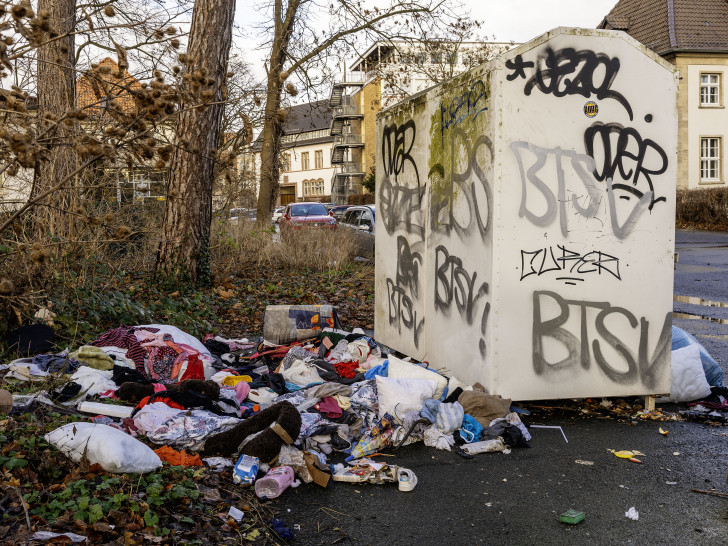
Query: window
(436, 57)
(352, 217)
(319, 158)
(420, 58)
(313, 187)
(710, 90)
(304, 161)
(366, 220)
(286, 163)
(710, 159)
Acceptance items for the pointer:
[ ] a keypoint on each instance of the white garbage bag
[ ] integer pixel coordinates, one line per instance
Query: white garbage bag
(111, 448)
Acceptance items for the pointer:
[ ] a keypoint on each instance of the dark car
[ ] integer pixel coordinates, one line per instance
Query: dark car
(361, 221)
(338, 211)
(299, 215)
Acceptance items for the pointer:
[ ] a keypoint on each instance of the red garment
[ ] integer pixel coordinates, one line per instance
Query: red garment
(347, 370)
(171, 403)
(195, 369)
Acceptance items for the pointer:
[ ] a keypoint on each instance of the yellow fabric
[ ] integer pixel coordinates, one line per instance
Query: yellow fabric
(343, 401)
(232, 380)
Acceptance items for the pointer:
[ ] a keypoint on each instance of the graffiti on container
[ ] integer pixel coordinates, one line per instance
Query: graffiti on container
(397, 143)
(469, 103)
(582, 166)
(454, 284)
(400, 192)
(543, 260)
(633, 158)
(403, 292)
(638, 364)
(570, 72)
(461, 197)
(408, 267)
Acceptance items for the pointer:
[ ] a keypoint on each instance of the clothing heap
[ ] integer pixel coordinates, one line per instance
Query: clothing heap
(301, 403)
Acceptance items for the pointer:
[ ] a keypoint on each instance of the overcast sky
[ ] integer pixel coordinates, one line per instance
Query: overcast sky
(503, 20)
(522, 20)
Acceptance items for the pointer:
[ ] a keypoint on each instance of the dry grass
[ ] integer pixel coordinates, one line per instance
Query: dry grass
(236, 245)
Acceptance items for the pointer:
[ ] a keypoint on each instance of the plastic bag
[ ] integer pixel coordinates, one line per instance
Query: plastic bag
(114, 450)
(713, 371)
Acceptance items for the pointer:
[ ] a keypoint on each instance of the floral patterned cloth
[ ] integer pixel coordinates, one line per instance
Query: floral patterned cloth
(190, 429)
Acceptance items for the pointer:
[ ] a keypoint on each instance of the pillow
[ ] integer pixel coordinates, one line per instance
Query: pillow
(400, 396)
(399, 369)
(687, 378)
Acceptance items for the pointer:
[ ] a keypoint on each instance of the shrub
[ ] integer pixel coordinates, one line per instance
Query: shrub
(702, 209)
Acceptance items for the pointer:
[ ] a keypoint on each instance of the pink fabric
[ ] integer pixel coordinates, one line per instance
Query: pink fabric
(158, 387)
(329, 407)
(242, 389)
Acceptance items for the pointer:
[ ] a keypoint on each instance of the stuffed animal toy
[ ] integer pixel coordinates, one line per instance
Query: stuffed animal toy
(277, 425)
(135, 392)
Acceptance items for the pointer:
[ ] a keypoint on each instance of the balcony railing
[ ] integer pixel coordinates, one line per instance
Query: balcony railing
(350, 139)
(351, 168)
(346, 110)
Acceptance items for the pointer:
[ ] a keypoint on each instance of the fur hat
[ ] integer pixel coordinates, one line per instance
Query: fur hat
(280, 424)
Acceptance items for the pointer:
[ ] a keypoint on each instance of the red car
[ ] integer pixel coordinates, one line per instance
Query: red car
(298, 215)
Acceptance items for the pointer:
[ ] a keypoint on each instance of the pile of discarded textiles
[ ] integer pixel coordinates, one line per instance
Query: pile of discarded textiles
(323, 392)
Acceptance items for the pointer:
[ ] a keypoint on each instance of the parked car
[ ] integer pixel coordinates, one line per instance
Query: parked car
(299, 215)
(277, 214)
(243, 215)
(361, 221)
(338, 211)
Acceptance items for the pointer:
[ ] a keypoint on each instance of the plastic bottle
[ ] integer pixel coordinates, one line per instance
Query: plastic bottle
(275, 482)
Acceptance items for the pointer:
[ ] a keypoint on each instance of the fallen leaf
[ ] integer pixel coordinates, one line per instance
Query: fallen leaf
(635, 460)
(664, 432)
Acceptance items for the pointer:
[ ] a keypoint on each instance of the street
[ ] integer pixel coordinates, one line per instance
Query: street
(517, 498)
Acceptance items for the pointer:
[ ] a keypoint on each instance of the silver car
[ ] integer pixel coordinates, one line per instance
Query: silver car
(277, 213)
(361, 221)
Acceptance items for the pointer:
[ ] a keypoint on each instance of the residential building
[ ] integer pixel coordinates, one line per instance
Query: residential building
(137, 182)
(306, 170)
(693, 35)
(387, 73)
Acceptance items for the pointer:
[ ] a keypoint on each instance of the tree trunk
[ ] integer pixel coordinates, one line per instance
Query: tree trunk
(270, 161)
(56, 96)
(184, 250)
(270, 164)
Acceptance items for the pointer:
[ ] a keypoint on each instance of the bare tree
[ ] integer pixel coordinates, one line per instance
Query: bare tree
(298, 47)
(56, 96)
(185, 245)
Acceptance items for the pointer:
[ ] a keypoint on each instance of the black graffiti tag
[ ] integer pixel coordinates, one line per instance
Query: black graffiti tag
(397, 143)
(400, 192)
(403, 292)
(597, 138)
(454, 283)
(571, 72)
(518, 65)
(408, 267)
(544, 260)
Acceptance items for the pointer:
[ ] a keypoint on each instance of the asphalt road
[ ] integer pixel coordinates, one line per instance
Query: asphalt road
(517, 498)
